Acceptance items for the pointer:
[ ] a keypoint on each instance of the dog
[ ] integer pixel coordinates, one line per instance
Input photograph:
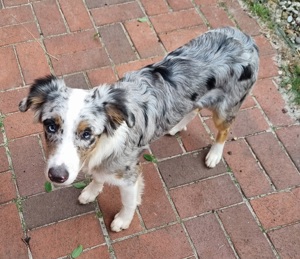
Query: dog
(103, 131)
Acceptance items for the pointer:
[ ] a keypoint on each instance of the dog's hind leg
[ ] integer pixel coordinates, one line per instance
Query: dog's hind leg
(215, 153)
(182, 124)
(131, 197)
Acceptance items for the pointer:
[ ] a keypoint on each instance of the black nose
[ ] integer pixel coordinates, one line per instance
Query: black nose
(58, 174)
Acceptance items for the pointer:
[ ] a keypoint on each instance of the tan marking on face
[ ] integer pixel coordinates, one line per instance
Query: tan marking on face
(83, 125)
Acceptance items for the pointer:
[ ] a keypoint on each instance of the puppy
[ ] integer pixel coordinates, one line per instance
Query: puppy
(103, 131)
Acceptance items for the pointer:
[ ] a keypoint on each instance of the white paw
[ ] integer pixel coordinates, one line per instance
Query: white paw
(89, 193)
(214, 155)
(120, 223)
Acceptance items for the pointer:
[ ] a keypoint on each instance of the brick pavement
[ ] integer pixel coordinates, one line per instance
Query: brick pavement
(246, 207)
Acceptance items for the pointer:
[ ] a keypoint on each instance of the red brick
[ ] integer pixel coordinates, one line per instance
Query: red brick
(286, 241)
(187, 168)
(18, 33)
(156, 209)
(31, 56)
(14, 2)
(65, 236)
(10, 76)
(176, 20)
(110, 204)
(148, 45)
(177, 5)
(268, 67)
(212, 242)
(245, 22)
(101, 76)
(4, 166)
(195, 137)
(248, 103)
(28, 164)
(264, 45)
(278, 209)
(76, 15)
(205, 196)
(175, 39)
(76, 81)
(135, 65)
(245, 234)
(216, 16)
(100, 252)
(272, 102)
(14, 125)
(165, 147)
(116, 13)
(12, 99)
(117, 43)
(49, 17)
(170, 242)
(11, 16)
(245, 168)
(266, 148)
(155, 7)
(101, 3)
(11, 233)
(290, 137)
(8, 191)
(206, 2)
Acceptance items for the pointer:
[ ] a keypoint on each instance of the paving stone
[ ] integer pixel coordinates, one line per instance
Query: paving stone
(100, 252)
(110, 204)
(245, 234)
(113, 37)
(10, 76)
(177, 5)
(165, 146)
(13, 121)
(245, 168)
(248, 103)
(187, 168)
(211, 243)
(4, 166)
(266, 148)
(49, 17)
(12, 99)
(170, 242)
(216, 16)
(11, 16)
(76, 81)
(290, 137)
(206, 2)
(101, 3)
(8, 191)
(264, 45)
(175, 39)
(268, 67)
(278, 209)
(62, 238)
(31, 56)
(76, 15)
(148, 45)
(28, 164)
(175, 20)
(116, 13)
(13, 2)
(286, 241)
(101, 76)
(157, 7)
(195, 137)
(267, 95)
(156, 209)
(47, 208)
(207, 195)
(11, 234)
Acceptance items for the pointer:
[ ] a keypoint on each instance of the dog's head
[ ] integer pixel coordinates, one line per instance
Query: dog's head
(75, 121)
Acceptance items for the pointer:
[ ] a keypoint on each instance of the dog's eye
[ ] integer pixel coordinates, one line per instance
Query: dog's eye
(50, 126)
(86, 135)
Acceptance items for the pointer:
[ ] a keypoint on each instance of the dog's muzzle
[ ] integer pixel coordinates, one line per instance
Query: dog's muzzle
(58, 174)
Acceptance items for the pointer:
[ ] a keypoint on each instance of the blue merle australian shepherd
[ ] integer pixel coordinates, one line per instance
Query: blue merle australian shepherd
(103, 131)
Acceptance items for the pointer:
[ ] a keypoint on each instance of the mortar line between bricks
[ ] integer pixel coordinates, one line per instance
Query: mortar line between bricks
(19, 65)
(282, 226)
(130, 41)
(63, 16)
(227, 236)
(202, 16)
(18, 196)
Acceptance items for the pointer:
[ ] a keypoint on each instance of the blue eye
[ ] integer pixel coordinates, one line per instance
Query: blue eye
(86, 135)
(50, 126)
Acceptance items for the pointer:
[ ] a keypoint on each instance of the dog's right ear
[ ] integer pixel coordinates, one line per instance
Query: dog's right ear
(39, 93)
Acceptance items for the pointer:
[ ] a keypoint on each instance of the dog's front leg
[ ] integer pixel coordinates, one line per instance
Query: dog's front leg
(90, 192)
(129, 197)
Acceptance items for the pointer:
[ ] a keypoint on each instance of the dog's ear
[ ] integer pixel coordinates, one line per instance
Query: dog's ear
(40, 92)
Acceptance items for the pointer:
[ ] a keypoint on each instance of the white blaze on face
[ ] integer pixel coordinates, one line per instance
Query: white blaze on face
(66, 152)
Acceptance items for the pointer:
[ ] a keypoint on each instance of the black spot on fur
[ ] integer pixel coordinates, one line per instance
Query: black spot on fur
(127, 168)
(145, 113)
(211, 83)
(140, 140)
(165, 73)
(194, 96)
(246, 74)
(243, 98)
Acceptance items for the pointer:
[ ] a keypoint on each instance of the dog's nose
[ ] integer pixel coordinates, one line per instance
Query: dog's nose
(58, 174)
